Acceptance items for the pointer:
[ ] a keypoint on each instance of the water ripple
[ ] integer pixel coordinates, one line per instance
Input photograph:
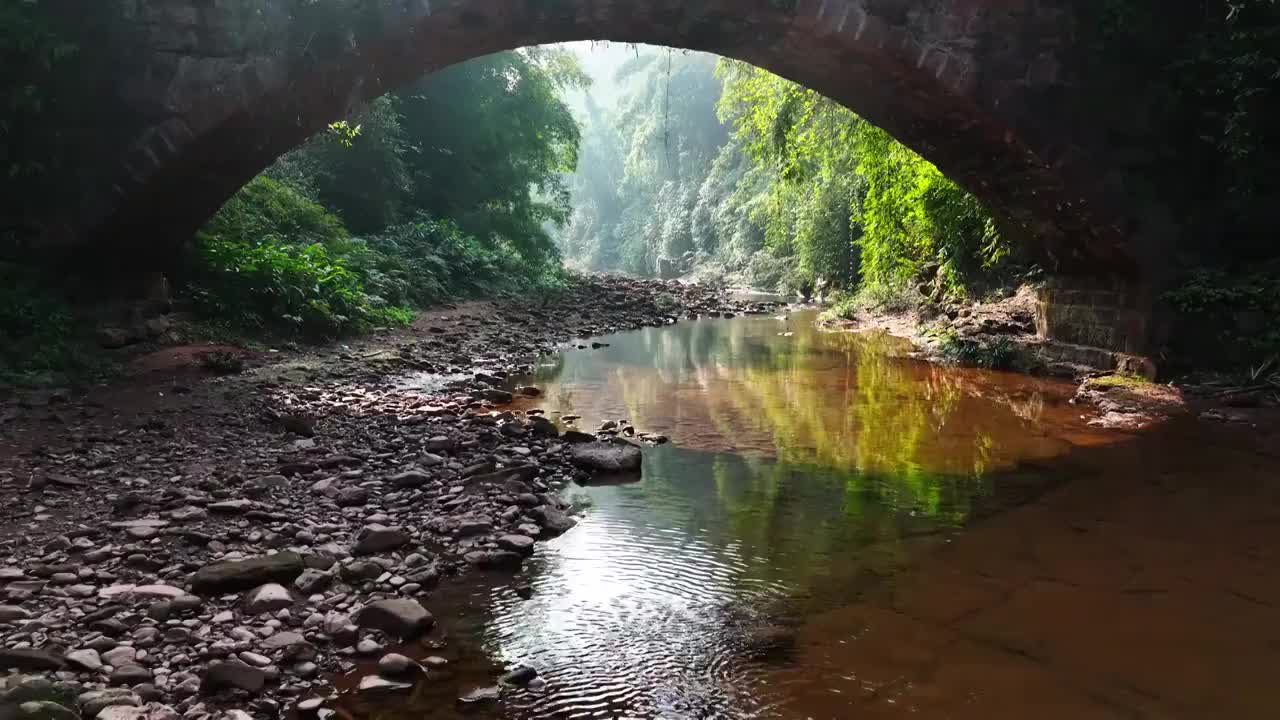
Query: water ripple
(804, 470)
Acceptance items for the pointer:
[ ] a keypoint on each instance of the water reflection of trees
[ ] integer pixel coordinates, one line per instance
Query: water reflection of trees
(806, 448)
(839, 400)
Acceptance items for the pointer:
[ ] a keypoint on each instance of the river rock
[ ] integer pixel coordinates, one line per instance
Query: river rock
(520, 675)
(130, 674)
(312, 581)
(122, 655)
(188, 514)
(543, 427)
(493, 558)
(13, 613)
(29, 659)
(94, 702)
(468, 526)
(606, 457)
(396, 665)
(231, 507)
(480, 695)
(282, 640)
(377, 538)
(85, 659)
(401, 618)
(377, 683)
(551, 520)
(236, 575)
(516, 473)
(521, 544)
(267, 598)
(112, 338)
(410, 479)
(123, 712)
(45, 710)
(158, 592)
(360, 570)
(232, 674)
(351, 497)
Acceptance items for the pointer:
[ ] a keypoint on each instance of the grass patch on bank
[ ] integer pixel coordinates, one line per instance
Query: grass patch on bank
(1119, 380)
(874, 298)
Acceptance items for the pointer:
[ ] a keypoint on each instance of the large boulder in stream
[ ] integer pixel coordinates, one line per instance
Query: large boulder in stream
(612, 457)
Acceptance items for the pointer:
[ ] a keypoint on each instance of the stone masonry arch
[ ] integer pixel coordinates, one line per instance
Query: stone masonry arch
(988, 90)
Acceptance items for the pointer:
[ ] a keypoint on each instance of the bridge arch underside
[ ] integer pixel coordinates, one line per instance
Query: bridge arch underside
(979, 87)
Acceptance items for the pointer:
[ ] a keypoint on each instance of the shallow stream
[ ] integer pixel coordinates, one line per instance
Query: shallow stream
(806, 471)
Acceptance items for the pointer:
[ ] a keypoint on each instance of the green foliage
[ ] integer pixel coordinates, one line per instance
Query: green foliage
(492, 140)
(1213, 289)
(1118, 380)
(274, 261)
(265, 263)
(915, 217)
(484, 144)
(428, 261)
(344, 132)
(851, 201)
(283, 288)
(40, 339)
(267, 210)
(875, 298)
(636, 191)
(1237, 65)
(1243, 307)
(789, 190)
(359, 171)
(996, 353)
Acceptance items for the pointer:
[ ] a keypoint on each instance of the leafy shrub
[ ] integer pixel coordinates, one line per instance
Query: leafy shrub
(1219, 298)
(997, 353)
(268, 210)
(429, 261)
(875, 297)
(274, 260)
(39, 336)
(286, 288)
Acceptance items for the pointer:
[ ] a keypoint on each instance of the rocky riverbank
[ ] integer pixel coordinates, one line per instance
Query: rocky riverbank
(1002, 334)
(194, 545)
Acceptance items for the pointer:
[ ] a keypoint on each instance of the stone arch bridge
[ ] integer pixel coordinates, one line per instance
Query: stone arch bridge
(997, 93)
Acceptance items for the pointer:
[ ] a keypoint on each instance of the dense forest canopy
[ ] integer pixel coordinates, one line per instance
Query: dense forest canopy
(717, 168)
(447, 187)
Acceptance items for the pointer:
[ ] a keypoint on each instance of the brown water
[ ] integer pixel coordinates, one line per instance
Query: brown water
(839, 531)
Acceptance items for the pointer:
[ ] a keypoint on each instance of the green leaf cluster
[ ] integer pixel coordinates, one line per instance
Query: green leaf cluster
(270, 261)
